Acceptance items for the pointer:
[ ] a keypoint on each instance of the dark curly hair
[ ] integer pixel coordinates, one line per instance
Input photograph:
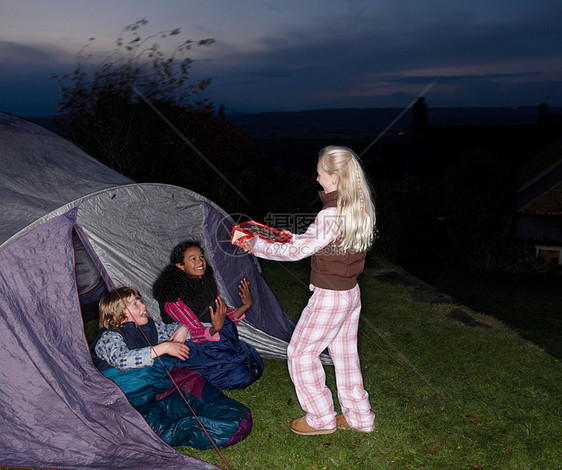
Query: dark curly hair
(173, 283)
(176, 257)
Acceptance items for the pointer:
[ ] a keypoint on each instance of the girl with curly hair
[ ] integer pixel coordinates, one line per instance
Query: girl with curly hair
(187, 293)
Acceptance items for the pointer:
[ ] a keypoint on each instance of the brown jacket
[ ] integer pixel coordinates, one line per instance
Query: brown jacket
(335, 271)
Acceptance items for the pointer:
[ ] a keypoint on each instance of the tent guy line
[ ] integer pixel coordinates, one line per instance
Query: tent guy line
(397, 118)
(410, 370)
(86, 247)
(377, 138)
(389, 126)
(188, 142)
(175, 384)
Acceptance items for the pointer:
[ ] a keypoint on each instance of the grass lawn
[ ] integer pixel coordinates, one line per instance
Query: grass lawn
(482, 397)
(528, 303)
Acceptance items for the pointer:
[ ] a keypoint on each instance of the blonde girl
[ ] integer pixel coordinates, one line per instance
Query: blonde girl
(337, 242)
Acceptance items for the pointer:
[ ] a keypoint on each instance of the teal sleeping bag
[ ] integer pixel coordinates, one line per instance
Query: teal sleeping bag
(191, 412)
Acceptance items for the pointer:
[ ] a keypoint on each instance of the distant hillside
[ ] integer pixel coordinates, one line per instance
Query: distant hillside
(290, 138)
(357, 121)
(369, 122)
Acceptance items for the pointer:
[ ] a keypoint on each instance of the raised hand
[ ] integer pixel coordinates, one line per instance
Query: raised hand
(244, 293)
(217, 316)
(246, 297)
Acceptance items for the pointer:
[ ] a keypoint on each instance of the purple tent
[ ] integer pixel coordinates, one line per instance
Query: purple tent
(71, 228)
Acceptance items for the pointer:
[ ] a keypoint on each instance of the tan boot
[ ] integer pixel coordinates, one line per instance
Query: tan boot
(300, 426)
(341, 422)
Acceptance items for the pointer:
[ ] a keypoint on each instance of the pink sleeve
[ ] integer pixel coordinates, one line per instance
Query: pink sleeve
(230, 315)
(183, 314)
(319, 234)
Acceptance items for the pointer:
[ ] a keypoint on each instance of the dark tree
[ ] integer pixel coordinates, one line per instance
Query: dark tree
(419, 115)
(480, 193)
(139, 113)
(408, 212)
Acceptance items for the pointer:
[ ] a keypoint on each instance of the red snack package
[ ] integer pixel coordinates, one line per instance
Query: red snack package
(249, 229)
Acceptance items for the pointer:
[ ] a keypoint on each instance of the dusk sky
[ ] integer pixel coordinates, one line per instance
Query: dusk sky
(286, 55)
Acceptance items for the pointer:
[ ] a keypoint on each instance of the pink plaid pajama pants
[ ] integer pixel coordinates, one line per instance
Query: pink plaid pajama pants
(330, 320)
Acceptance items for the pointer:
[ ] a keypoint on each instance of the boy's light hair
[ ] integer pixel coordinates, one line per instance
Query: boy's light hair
(355, 201)
(113, 306)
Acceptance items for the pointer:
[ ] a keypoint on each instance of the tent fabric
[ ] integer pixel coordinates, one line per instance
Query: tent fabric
(57, 410)
(41, 172)
(71, 228)
(133, 229)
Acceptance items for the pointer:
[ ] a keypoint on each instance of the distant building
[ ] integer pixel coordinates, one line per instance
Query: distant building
(538, 218)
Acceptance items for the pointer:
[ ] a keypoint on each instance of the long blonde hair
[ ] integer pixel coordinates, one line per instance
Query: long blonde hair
(355, 199)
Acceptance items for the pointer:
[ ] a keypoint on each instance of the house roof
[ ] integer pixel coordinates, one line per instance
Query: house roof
(540, 175)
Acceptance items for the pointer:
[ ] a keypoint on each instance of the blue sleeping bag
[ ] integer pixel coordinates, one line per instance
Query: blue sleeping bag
(228, 364)
(183, 419)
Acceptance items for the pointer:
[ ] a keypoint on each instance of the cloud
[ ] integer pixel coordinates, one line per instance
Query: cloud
(387, 56)
(320, 53)
(23, 55)
(388, 42)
